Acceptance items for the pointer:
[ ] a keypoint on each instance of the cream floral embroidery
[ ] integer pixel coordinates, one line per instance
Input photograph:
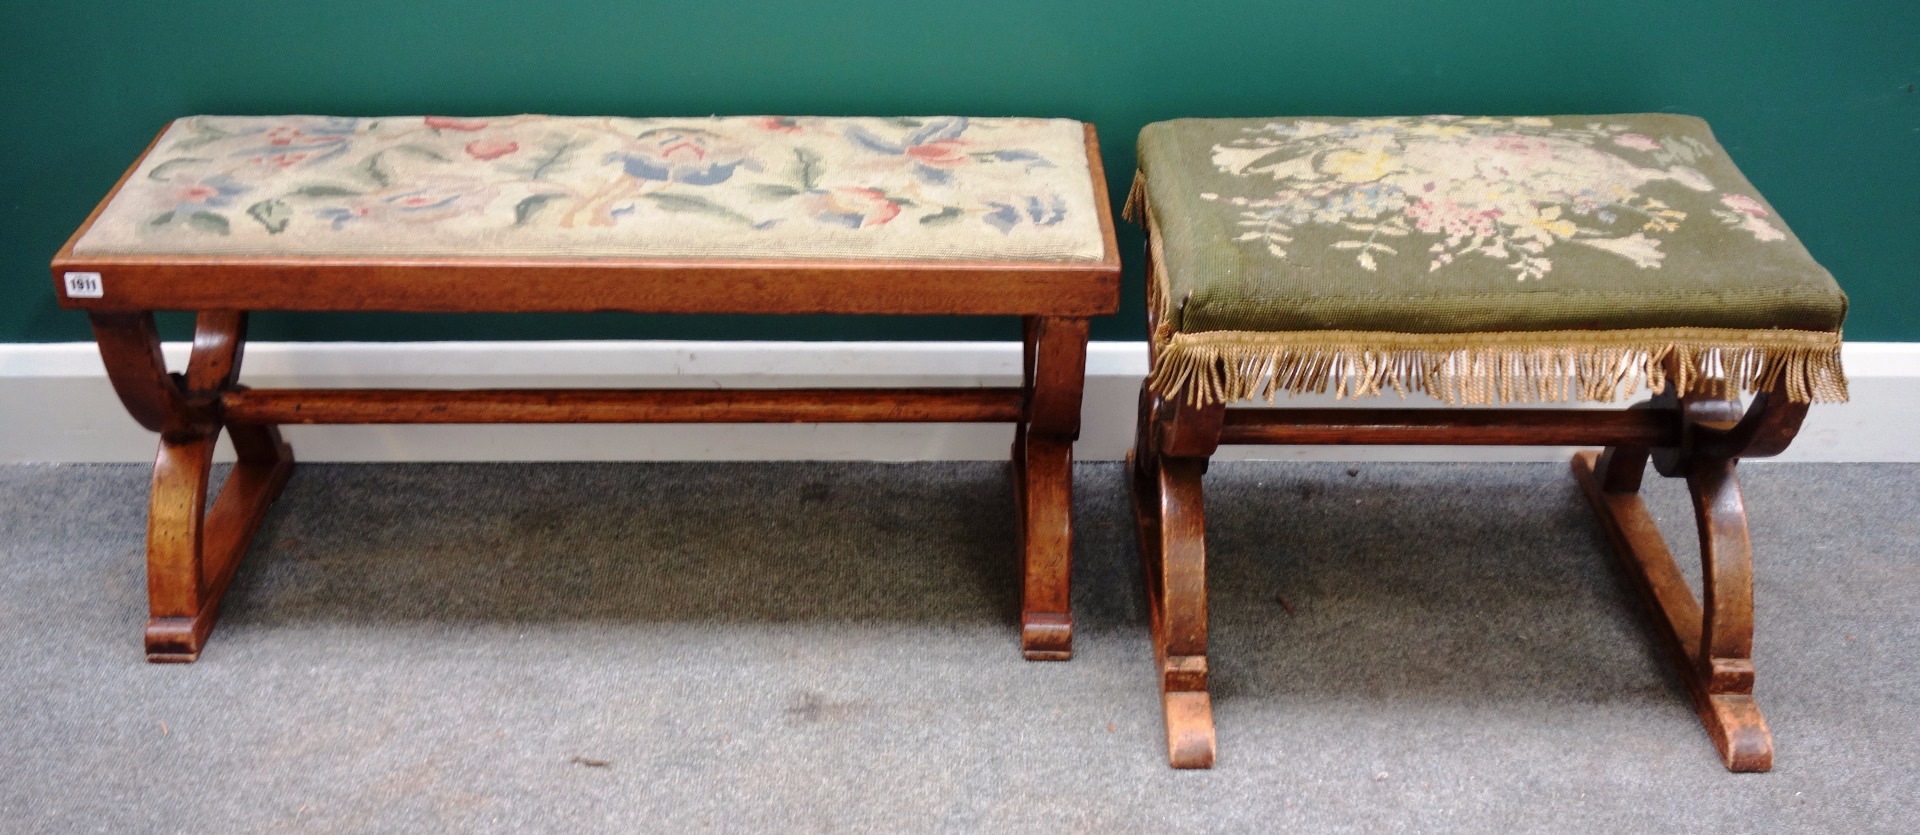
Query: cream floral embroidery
(1507, 189)
(1746, 213)
(943, 186)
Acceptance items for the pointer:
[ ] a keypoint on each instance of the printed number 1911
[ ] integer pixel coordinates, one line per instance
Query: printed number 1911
(85, 286)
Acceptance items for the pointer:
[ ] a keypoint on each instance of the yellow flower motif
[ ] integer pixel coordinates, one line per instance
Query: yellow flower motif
(1550, 222)
(1509, 189)
(1358, 166)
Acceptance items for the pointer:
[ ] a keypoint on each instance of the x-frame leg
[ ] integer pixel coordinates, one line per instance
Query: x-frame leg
(1709, 637)
(1055, 362)
(1702, 440)
(192, 552)
(1171, 448)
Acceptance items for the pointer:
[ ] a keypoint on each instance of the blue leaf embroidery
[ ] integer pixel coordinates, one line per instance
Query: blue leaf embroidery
(938, 129)
(1003, 217)
(865, 139)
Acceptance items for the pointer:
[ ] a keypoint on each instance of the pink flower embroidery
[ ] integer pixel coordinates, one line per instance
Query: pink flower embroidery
(854, 208)
(779, 124)
(1743, 204)
(944, 153)
(487, 149)
(303, 145)
(450, 123)
(286, 160)
(1637, 141)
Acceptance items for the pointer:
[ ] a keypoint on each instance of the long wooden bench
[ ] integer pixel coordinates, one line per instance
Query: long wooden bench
(939, 215)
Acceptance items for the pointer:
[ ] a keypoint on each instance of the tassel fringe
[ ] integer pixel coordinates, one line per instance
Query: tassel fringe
(1487, 368)
(1135, 209)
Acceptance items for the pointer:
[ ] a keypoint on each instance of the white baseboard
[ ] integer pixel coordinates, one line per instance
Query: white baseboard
(56, 404)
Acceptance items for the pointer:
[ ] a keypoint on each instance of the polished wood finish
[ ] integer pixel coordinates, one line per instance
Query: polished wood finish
(283, 406)
(455, 285)
(193, 551)
(1711, 646)
(1476, 427)
(1699, 438)
(1055, 371)
(130, 350)
(1709, 637)
(1170, 516)
(219, 342)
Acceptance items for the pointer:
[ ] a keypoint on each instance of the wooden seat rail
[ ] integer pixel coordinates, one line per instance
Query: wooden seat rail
(877, 405)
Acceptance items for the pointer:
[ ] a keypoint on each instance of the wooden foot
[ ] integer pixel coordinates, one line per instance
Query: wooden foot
(1711, 645)
(192, 556)
(192, 553)
(1055, 367)
(1189, 729)
(1171, 521)
(1043, 497)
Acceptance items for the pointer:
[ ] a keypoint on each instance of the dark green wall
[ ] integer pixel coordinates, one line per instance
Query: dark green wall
(1815, 100)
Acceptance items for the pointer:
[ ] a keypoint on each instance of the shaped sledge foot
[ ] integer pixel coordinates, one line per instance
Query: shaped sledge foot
(191, 558)
(1054, 370)
(1711, 645)
(1173, 555)
(1189, 728)
(1043, 497)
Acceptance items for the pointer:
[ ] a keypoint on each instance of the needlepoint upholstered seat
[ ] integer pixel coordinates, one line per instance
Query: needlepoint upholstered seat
(950, 189)
(1480, 261)
(757, 215)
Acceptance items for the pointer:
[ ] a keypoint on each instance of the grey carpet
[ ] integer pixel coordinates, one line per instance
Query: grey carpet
(831, 648)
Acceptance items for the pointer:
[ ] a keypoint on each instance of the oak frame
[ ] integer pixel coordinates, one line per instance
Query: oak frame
(1700, 437)
(192, 552)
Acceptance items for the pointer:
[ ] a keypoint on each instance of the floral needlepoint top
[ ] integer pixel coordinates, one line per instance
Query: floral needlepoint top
(1478, 260)
(1441, 189)
(936, 188)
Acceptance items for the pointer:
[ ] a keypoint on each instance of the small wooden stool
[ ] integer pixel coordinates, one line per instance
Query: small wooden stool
(224, 215)
(1480, 261)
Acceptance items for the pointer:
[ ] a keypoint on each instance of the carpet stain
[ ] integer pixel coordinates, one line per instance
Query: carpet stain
(809, 707)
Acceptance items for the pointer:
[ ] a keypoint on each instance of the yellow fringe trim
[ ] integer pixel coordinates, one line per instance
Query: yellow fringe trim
(1476, 368)
(1484, 368)
(1136, 206)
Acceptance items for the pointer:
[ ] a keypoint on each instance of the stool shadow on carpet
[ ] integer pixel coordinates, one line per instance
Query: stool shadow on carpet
(1341, 582)
(772, 543)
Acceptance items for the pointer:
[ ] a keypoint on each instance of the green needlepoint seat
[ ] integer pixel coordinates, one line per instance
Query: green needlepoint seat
(1479, 259)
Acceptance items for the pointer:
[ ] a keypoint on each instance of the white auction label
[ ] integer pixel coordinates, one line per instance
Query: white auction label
(85, 286)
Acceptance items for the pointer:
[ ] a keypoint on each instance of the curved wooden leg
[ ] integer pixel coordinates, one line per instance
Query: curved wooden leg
(1723, 693)
(1171, 520)
(1709, 637)
(1056, 355)
(192, 553)
(1180, 614)
(1043, 493)
(175, 540)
